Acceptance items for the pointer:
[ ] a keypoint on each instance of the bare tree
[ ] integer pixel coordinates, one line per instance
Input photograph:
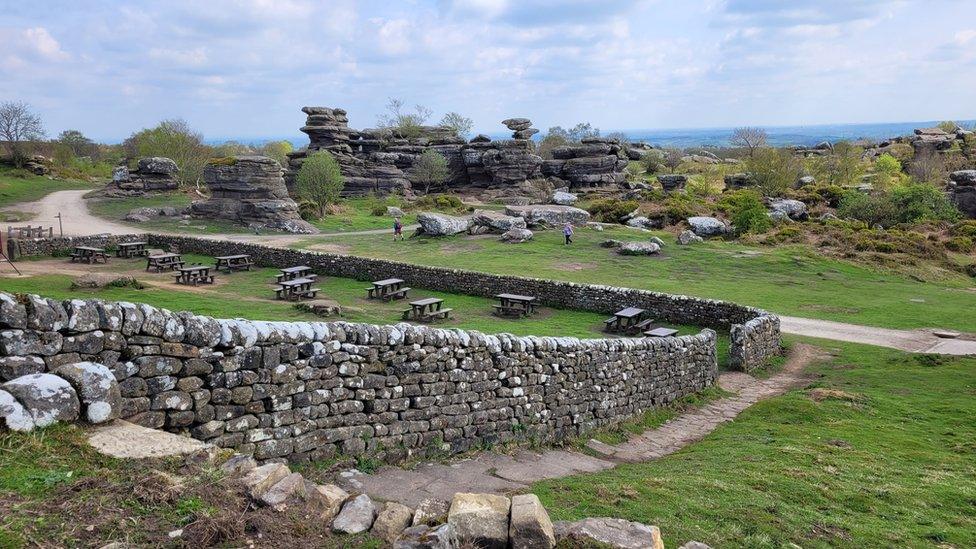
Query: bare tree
(460, 124)
(749, 139)
(672, 158)
(407, 124)
(19, 126)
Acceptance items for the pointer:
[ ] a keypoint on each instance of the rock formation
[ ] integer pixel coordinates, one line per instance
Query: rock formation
(962, 191)
(380, 161)
(154, 173)
(250, 190)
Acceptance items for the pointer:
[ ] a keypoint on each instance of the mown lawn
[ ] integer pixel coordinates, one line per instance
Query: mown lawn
(791, 280)
(886, 458)
(250, 295)
(15, 190)
(356, 214)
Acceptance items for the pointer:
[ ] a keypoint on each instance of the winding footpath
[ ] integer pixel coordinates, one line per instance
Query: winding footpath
(77, 220)
(491, 472)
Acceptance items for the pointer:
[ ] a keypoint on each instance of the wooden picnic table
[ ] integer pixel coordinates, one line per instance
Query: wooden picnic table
(239, 262)
(628, 320)
(296, 289)
(387, 289)
(89, 254)
(193, 275)
(515, 305)
(131, 249)
(661, 331)
(426, 310)
(291, 273)
(164, 262)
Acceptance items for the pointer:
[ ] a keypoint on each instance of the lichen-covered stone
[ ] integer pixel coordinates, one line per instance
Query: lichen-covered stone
(392, 521)
(96, 389)
(480, 519)
(46, 397)
(356, 516)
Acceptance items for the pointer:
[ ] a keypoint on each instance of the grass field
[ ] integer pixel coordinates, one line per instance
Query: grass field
(356, 215)
(115, 209)
(792, 280)
(253, 289)
(15, 190)
(884, 458)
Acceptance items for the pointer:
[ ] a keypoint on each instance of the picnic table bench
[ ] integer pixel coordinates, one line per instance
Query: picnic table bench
(387, 289)
(629, 320)
(88, 254)
(291, 273)
(427, 310)
(131, 249)
(240, 262)
(514, 305)
(296, 289)
(661, 331)
(193, 275)
(164, 262)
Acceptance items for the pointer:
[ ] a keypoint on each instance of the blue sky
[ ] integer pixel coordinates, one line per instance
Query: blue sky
(244, 68)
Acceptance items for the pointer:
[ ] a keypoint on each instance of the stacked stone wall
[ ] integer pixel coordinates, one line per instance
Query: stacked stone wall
(311, 390)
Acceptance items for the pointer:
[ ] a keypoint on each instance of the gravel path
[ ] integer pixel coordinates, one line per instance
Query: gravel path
(489, 472)
(78, 221)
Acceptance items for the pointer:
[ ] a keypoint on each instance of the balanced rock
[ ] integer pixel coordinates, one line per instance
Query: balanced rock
(46, 397)
(250, 190)
(707, 226)
(436, 224)
(480, 519)
(517, 124)
(611, 532)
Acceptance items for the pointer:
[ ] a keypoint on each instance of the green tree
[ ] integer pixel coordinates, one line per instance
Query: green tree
(278, 150)
(77, 143)
(430, 169)
(774, 170)
(843, 166)
(550, 142)
(320, 180)
(888, 169)
(172, 139)
(460, 124)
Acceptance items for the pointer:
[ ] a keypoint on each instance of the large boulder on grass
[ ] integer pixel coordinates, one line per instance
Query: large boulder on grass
(639, 248)
(610, 532)
(793, 209)
(496, 222)
(517, 236)
(563, 197)
(550, 215)
(707, 226)
(435, 224)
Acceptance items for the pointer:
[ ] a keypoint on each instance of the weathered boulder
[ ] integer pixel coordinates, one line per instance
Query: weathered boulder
(496, 221)
(963, 178)
(672, 182)
(12, 367)
(277, 496)
(13, 413)
(695, 545)
(805, 181)
(617, 533)
(393, 211)
(517, 124)
(431, 512)
(707, 226)
(739, 181)
(102, 280)
(517, 236)
(357, 515)
(135, 218)
(152, 174)
(563, 197)
(638, 248)
(321, 307)
(423, 536)
(640, 222)
(260, 479)
(436, 224)
(552, 215)
(793, 209)
(250, 190)
(331, 498)
(480, 519)
(96, 388)
(46, 397)
(392, 521)
(529, 525)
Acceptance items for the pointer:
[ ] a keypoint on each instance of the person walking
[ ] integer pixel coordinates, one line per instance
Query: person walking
(397, 229)
(568, 232)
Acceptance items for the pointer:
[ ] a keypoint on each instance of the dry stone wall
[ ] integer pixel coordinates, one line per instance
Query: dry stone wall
(310, 390)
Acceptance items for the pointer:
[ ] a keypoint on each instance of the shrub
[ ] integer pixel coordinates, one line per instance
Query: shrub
(962, 244)
(443, 202)
(774, 170)
(700, 187)
(872, 209)
(887, 165)
(964, 228)
(612, 210)
(308, 210)
(682, 206)
(971, 270)
(746, 211)
(319, 180)
(920, 202)
(842, 166)
(377, 210)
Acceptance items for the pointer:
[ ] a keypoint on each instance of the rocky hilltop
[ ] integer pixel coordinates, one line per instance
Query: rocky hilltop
(381, 160)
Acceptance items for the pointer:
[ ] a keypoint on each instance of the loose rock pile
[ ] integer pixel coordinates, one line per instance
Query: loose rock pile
(250, 190)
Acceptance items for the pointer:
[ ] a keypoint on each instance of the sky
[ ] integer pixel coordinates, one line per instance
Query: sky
(244, 68)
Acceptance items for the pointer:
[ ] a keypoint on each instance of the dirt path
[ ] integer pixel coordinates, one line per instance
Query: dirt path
(499, 473)
(78, 221)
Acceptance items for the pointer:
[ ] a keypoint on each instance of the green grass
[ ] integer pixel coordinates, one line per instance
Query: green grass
(890, 461)
(790, 280)
(254, 290)
(356, 215)
(17, 190)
